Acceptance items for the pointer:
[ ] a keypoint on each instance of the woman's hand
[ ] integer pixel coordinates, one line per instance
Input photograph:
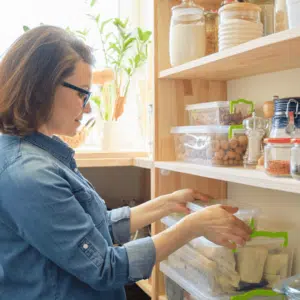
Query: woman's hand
(176, 202)
(218, 224)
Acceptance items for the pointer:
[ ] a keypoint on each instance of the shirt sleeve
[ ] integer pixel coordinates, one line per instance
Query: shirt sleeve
(41, 207)
(119, 224)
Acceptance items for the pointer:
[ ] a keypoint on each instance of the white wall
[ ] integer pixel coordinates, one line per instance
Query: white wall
(282, 207)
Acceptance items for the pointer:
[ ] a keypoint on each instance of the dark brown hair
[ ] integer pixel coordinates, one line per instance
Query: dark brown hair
(30, 71)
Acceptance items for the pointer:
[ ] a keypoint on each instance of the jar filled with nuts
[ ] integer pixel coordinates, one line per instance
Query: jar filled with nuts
(211, 28)
(277, 157)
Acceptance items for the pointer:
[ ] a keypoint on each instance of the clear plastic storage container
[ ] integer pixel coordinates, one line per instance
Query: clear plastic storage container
(220, 112)
(278, 156)
(210, 271)
(246, 212)
(289, 287)
(210, 145)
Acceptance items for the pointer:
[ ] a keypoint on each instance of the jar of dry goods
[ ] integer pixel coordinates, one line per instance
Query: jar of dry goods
(187, 33)
(277, 157)
(211, 26)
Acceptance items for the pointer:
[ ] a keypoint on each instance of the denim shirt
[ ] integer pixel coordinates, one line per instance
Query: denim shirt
(56, 234)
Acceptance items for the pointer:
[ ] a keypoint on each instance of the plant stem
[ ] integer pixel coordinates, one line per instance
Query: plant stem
(104, 50)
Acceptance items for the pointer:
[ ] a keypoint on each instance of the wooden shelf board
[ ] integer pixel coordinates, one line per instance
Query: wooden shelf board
(104, 162)
(96, 154)
(143, 162)
(145, 286)
(236, 174)
(163, 297)
(276, 52)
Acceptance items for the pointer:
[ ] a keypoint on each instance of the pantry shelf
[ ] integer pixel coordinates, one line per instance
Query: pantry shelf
(145, 286)
(234, 174)
(272, 53)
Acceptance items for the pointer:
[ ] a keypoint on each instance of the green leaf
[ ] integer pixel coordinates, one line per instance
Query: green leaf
(140, 33)
(128, 44)
(128, 71)
(146, 36)
(93, 2)
(137, 60)
(103, 24)
(97, 18)
(25, 28)
(97, 100)
(108, 35)
(115, 47)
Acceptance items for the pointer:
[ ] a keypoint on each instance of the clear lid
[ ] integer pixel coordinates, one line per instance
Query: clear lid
(200, 129)
(207, 105)
(289, 287)
(187, 7)
(245, 211)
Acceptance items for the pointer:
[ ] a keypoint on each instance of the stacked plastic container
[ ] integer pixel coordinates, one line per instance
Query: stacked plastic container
(215, 136)
(208, 271)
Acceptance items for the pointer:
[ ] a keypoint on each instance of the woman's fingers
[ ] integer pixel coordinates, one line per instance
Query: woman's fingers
(200, 196)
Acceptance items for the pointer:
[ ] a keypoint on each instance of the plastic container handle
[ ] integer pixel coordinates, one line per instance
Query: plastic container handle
(274, 235)
(233, 103)
(256, 293)
(232, 128)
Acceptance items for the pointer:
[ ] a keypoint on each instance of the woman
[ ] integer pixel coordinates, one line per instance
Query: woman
(57, 238)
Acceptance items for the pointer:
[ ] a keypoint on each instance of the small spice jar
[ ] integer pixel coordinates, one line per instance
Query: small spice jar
(295, 159)
(277, 156)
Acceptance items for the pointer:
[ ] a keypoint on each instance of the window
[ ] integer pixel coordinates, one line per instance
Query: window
(73, 13)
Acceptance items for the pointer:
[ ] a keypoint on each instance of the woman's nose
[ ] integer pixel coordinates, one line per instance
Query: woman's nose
(87, 109)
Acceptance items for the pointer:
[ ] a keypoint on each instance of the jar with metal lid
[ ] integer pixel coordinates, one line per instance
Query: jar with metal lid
(295, 159)
(211, 27)
(239, 23)
(277, 157)
(187, 39)
(286, 119)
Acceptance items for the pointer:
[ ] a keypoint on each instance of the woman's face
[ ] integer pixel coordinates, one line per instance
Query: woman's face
(68, 103)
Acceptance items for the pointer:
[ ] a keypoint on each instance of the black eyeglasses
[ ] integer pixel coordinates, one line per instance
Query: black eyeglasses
(83, 94)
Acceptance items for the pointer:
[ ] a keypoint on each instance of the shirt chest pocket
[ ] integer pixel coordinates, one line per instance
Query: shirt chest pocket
(93, 206)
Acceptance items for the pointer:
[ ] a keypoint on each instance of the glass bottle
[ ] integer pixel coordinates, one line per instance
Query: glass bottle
(255, 131)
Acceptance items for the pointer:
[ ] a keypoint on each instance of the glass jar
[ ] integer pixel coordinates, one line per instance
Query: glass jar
(267, 14)
(295, 159)
(286, 112)
(211, 26)
(277, 157)
(239, 23)
(281, 18)
(187, 33)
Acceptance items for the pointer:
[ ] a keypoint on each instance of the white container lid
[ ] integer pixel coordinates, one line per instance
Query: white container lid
(199, 129)
(208, 105)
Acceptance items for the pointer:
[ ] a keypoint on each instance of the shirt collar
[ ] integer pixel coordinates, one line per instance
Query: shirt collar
(53, 145)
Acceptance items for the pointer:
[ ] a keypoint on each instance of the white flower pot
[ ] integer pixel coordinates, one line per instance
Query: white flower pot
(111, 136)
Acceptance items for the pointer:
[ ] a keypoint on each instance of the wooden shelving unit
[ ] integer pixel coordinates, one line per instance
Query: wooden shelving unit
(276, 52)
(240, 175)
(145, 286)
(205, 80)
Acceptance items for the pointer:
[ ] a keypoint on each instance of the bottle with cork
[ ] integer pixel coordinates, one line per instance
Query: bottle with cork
(268, 110)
